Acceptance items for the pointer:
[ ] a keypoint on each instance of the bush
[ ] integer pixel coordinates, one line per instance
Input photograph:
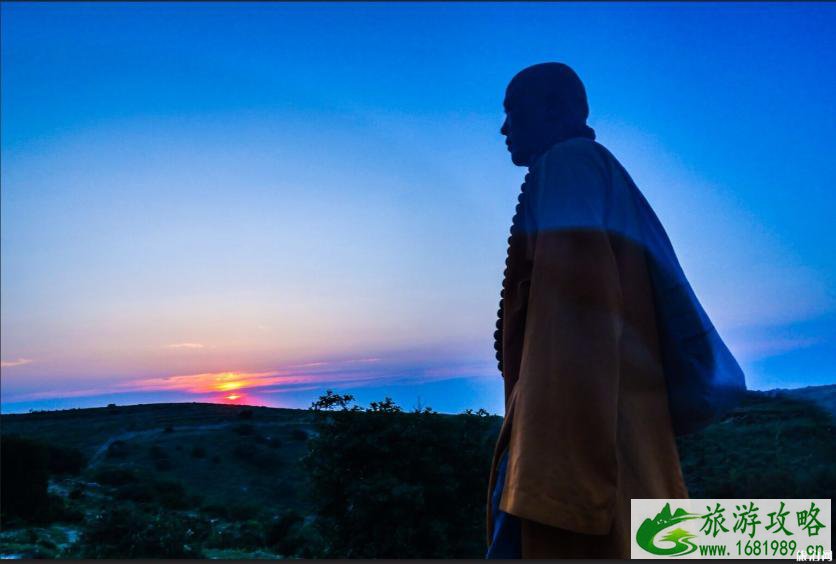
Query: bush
(24, 475)
(171, 494)
(118, 449)
(385, 406)
(60, 512)
(24, 478)
(389, 484)
(65, 460)
(245, 535)
(271, 442)
(282, 533)
(77, 492)
(215, 510)
(136, 492)
(330, 401)
(299, 435)
(125, 532)
(162, 462)
(242, 511)
(255, 456)
(113, 476)
(244, 429)
(755, 451)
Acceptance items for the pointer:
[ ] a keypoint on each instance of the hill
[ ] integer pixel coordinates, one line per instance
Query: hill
(236, 474)
(205, 446)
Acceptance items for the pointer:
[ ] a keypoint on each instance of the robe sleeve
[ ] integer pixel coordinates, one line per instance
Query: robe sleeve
(562, 467)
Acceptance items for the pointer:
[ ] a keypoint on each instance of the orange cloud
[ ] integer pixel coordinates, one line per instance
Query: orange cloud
(209, 382)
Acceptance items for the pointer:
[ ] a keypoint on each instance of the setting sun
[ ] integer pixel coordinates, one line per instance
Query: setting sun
(228, 381)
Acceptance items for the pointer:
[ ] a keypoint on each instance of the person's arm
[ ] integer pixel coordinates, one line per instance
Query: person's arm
(563, 467)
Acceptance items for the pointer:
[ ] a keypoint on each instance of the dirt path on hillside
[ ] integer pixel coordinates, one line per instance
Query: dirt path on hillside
(100, 453)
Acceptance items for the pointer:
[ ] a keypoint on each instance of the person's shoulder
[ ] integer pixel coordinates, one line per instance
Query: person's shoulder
(569, 151)
(574, 160)
(572, 185)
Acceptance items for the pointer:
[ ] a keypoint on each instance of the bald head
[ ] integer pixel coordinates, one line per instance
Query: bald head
(544, 104)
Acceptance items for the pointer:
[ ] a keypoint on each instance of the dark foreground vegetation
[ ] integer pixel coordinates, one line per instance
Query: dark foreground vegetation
(334, 481)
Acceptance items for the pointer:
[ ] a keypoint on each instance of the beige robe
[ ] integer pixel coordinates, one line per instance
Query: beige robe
(586, 411)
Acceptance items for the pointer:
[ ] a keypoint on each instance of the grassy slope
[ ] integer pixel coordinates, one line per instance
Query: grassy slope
(220, 476)
(780, 434)
(777, 444)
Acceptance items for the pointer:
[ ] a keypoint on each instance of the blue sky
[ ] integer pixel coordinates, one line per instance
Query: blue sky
(301, 196)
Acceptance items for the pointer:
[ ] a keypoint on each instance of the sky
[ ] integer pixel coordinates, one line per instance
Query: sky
(253, 203)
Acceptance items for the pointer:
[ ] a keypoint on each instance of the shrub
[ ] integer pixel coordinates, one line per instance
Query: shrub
(242, 511)
(162, 462)
(244, 535)
(171, 494)
(24, 477)
(77, 492)
(114, 476)
(258, 457)
(118, 449)
(299, 435)
(244, 429)
(57, 511)
(330, 401)
(385, 406)
(271, 442)
(125, 532)
(137, 492)
(65, 460)
(215, 510)
(389, 484)
(282, 533)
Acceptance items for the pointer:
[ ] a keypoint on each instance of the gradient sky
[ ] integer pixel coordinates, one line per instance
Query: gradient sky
(202, 201)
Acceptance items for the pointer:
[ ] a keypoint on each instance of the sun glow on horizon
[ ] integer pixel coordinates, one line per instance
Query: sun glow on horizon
(229, 381)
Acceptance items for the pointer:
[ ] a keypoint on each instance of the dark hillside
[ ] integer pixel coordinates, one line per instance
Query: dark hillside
(192, 480)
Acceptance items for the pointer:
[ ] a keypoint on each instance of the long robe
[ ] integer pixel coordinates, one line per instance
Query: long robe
(587, 422)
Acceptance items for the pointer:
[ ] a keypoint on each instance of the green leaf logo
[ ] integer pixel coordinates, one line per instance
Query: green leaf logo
(681, 539)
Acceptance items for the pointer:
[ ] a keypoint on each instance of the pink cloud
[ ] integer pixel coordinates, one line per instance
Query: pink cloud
(18, 362)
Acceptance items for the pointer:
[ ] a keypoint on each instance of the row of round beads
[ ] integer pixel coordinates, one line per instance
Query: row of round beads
(516, 222)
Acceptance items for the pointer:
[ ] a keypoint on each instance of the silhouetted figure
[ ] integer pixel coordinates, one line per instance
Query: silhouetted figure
(605, 351)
